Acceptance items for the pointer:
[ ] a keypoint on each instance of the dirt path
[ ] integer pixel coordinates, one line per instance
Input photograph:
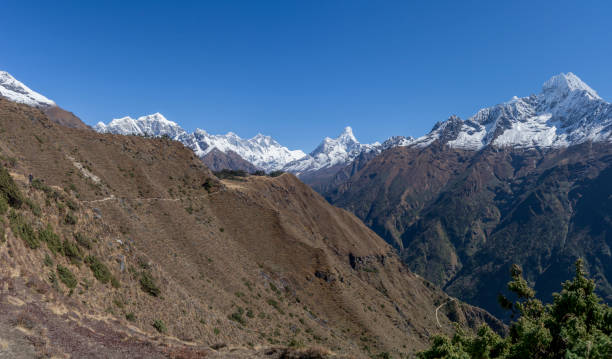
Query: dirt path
(440, 306)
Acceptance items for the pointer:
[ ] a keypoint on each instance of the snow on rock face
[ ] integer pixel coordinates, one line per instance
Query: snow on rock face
(16, 91)
(331, 152)
(151, 125)
(262, 151)
(566, 112)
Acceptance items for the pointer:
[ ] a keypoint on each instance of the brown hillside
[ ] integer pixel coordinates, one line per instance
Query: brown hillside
(216, 266)
(63, 117)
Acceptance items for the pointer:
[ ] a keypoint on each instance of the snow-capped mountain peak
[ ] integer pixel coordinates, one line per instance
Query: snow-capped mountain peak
(331, 152)
(16, 91)
(262, 151)
(347, 136)
(566, 112)
(151, 125)
(560, 86)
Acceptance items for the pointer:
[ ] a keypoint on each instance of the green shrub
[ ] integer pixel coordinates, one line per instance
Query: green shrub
(99, 269)
(295, 343)
(250, 313)
(4, 206)
(130, 316)
(51, 238)
(147, 283)
(9, 189)
(72, 205)
(115, 282)
(48, 261)
(275, 173)
(230, 174)
(160, 326)
(72, 251)
(34, 208)
(39, 185)
(66, 276)
(70, 219)
(208, 185)
(82, 240)
(237, 316)
(23, 229)
(275, 305)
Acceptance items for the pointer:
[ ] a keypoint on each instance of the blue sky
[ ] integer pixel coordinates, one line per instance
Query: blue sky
(301, 70)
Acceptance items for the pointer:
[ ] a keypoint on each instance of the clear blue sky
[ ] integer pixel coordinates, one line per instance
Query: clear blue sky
(301, 70)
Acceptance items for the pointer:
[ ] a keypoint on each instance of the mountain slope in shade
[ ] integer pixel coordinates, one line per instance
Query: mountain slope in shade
(522, 182)
(261, 151)
(15, 91)
(332, 156)
(251, 264)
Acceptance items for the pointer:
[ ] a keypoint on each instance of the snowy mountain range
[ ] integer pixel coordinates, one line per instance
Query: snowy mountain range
(262, 151)
(566, 112)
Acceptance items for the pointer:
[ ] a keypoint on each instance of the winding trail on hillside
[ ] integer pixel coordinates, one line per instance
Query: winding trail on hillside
(440, 306)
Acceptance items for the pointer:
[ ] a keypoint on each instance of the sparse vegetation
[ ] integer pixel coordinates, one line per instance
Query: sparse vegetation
(83, 240)
(237, 316)
(53, 240)
(115, 282)
(9, 190)
(71, 204)
(130, 316)
(275, 305)
(23, 229)
(48, 261)
(72, 251)
(275, 173)
(99, 269)
(66, 276)
(34, 208)
(147, 283)
(231, 174)
(3, 205)
(208, 185)
(160, 326)
(70, 219)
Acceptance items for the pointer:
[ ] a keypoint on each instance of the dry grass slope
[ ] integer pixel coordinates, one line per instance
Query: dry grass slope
(167, 266)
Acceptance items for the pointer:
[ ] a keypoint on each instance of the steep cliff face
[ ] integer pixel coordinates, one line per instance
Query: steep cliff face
(193, 264)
